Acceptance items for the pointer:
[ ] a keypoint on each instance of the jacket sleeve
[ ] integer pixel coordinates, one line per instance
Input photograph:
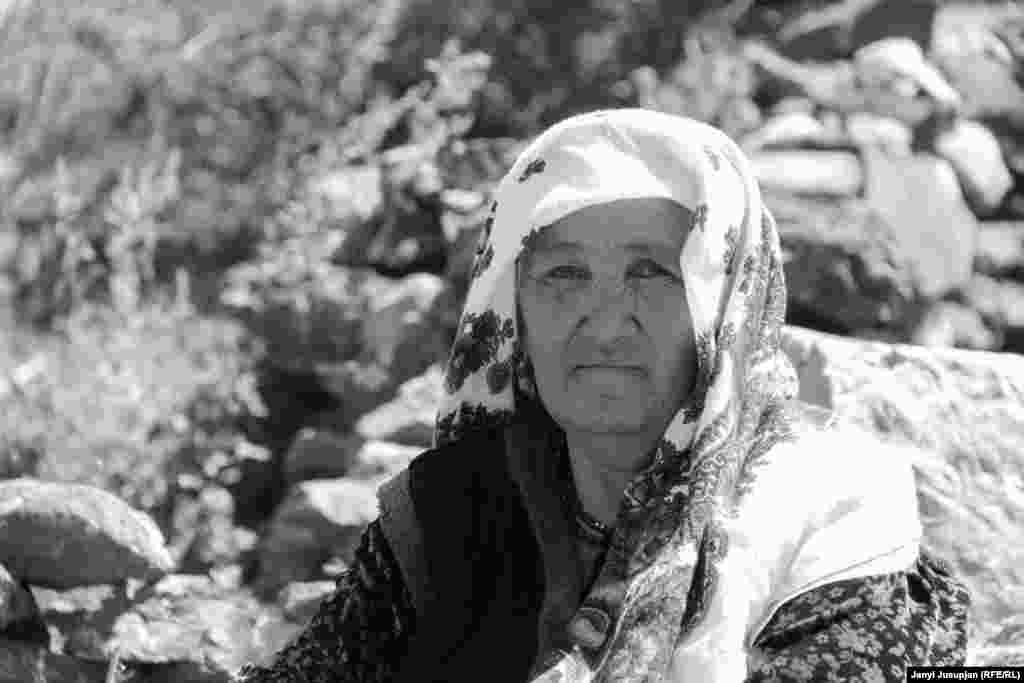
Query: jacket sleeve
(360, 632)
(866, 629)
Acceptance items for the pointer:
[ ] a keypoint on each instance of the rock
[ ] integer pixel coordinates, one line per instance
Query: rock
(358, 385)
(253, 480)
(301, 600)
(304, 316)
(889, 134)
(399, 422)
(382, 459)
(9, 239)
(19, 614)
(842, 264)
(477, 163)
(996, 656)
(10, 169)
(18, 458)
(216, 542)
(462, 201)
(911, 19)
(326, 454)
(181, 619)
(836, 86)
(920, 198)
(964, 411)
(1011, 632)
(32, 663)
(1000, 252)
(397, 311)
(1001, 305)
(409, 418)
(63, 535)
(407, 235)
(948, 323)
(78, 619)
(889, 62)
(977, 159)
(738, 116)
(465, 234)
(787, 129)
(318, 519)
(352, 194)
(977, 64)
(831, 84)
(320, 454)
(876, 262)
(807, 172)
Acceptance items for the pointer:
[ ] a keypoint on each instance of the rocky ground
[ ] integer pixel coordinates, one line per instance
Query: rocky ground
(234, 252)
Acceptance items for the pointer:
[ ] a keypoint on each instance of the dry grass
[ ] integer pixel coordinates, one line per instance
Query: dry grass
(89, 397)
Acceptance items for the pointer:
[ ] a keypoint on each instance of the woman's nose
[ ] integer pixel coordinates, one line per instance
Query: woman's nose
(611, 312)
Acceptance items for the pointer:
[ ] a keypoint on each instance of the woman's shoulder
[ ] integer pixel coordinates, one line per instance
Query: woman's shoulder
(438, 472)
(474, 457)
(834, 500)
(831, 457)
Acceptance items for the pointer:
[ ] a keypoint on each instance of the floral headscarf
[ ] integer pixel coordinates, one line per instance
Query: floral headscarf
(659, 574)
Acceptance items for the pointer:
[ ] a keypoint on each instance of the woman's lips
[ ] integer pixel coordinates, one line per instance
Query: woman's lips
(615, 368)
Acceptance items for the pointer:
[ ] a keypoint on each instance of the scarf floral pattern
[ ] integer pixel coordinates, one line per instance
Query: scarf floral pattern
(660, 571)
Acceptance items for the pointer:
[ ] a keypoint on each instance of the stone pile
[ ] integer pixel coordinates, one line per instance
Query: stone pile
(894, 179)
(87, 590)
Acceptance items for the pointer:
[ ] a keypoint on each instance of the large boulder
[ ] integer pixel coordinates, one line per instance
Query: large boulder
(64, 535)
(964, 412)
(877, 261)
(320, 519)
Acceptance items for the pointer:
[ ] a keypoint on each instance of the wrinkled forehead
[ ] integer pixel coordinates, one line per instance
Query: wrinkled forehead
(652, 226)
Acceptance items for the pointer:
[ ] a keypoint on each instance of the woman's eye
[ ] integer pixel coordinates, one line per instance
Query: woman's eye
(649, 268)
(566, 272)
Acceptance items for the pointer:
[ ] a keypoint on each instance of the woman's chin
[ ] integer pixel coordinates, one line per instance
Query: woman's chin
(609, 411)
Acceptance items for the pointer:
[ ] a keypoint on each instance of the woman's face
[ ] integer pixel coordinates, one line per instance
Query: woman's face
(606, 322)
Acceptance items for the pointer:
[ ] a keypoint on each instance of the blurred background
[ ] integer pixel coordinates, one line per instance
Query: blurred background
(235, 238)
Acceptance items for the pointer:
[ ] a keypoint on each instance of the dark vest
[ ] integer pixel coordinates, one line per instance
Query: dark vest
(482, 585)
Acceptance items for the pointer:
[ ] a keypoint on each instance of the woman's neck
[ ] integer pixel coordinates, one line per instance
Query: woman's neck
(602, 467)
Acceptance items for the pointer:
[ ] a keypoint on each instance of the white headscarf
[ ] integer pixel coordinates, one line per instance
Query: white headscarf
(735, 292)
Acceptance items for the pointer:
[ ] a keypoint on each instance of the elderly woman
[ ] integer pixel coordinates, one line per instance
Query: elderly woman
(623, 486)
